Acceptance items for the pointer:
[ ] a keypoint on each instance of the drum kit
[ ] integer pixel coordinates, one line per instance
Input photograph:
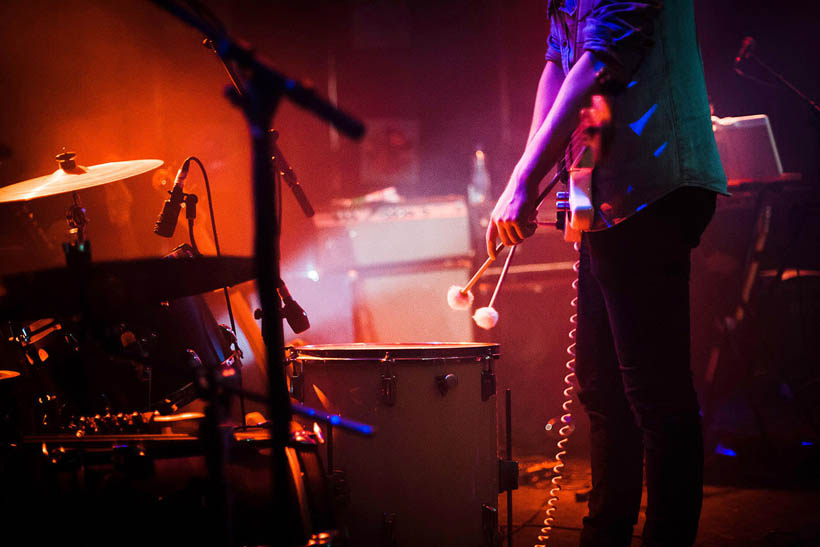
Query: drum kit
(118, 387)
(104, 390)
(103, 361)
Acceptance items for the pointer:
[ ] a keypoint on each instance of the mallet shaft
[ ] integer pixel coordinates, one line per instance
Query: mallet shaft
(502, 276)
(473, 280)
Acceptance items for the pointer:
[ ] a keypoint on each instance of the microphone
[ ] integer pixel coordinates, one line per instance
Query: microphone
(294, 314)
(167, 219)
(745, 50)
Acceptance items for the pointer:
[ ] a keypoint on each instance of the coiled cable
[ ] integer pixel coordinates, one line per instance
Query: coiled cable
(566, 428)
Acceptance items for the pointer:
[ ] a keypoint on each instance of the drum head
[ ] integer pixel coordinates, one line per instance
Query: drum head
(398, 352)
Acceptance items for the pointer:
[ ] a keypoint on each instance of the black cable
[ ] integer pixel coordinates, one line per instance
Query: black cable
(224, 289)
(216, 236)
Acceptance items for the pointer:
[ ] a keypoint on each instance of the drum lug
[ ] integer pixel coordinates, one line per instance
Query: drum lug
(297, 385)
(388, 387)
(388, 382)
(487, 381)
(489, 526)
(297, 376)
(445, 382)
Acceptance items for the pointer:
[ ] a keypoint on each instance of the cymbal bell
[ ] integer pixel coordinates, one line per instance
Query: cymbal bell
(71, 177)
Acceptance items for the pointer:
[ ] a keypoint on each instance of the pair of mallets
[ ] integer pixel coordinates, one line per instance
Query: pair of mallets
(461, 298)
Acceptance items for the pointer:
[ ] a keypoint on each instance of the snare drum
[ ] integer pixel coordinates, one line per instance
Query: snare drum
(429, 475)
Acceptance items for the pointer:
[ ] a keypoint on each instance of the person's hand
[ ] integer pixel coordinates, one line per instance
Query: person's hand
(513, 217)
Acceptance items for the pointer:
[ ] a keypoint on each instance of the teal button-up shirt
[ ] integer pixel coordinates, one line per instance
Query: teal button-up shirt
(662, 136)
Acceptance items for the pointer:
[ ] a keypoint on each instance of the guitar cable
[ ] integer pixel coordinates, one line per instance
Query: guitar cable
(566, 428)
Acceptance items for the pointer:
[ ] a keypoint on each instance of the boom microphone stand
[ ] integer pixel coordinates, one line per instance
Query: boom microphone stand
(263, 89)
(747, 52)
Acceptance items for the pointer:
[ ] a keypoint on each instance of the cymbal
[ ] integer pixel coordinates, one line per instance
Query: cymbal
(71, 177)
(116, 289)
(6, 374)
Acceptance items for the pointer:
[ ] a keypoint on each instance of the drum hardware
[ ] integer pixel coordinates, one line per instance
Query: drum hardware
(297, 377)
(108, 424)
(81, 270)
(214, 388)
(165, 225)
(412, 471)
(446, 382)
(488, 380)
(352, 426)
(489, 525)
(389, 382)
(76, 218)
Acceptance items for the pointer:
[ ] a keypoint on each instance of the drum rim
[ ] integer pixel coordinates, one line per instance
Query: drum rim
(420, 351)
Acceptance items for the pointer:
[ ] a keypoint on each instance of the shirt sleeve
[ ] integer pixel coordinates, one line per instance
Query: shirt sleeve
(618, 34)
(553, 45)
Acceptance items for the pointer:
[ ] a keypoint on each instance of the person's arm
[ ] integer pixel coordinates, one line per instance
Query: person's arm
(548, 85)
(614, 38)
(512, 220)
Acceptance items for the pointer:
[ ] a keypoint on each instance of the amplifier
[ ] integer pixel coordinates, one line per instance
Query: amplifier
(390, 265)
(394, 233)
(747, 148)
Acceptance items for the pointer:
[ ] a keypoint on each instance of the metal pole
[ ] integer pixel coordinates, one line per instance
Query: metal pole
(508, 412)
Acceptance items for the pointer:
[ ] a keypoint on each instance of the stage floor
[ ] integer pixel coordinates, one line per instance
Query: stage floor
(733, 515)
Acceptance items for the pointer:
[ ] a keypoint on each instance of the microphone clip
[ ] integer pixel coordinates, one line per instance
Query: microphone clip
(167, 220)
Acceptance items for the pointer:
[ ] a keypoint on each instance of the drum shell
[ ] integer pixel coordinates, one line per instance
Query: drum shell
(432, 462)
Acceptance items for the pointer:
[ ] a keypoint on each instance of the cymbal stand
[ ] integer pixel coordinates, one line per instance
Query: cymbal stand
(77, 220)
(75, 214)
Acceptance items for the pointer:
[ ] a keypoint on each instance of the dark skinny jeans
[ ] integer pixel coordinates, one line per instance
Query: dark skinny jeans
(634, 373)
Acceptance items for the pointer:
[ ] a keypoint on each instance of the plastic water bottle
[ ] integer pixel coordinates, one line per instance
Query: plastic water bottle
(479, 188)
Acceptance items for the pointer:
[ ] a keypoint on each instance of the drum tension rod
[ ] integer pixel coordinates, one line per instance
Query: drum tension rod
(488, 383)
(389, 382)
